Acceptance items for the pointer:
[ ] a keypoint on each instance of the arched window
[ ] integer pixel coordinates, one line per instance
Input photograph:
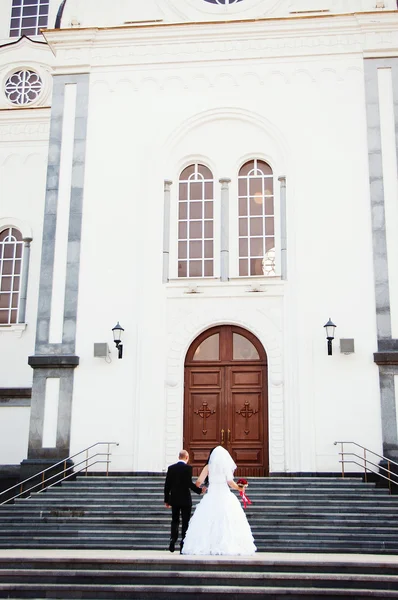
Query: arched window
(195, 222)
(11, 249)
(256, 219)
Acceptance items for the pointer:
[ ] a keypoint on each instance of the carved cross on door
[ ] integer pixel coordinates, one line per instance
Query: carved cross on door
(204, 413)
(247, 412)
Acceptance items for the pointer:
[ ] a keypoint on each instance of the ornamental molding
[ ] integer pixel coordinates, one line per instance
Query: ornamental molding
(22, 124)
(232, 41)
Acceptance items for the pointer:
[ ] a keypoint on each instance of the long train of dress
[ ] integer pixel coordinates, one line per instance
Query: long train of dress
(219, 525)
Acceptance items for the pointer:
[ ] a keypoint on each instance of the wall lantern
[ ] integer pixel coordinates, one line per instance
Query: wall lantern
(330, 327)
(117, 338)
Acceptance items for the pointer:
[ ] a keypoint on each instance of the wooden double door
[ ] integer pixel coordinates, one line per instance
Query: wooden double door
(226, 399)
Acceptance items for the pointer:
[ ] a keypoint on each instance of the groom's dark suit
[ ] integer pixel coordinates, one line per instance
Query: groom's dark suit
(177, 494)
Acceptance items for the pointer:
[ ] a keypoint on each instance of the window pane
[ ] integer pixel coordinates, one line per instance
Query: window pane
(246, 168)
(255, 186)
(256, 247)
(243, 349)
(269, 206)
(256, 205)
(195, 230)
(187, 172)
(195, 210)
(205, 171)
(15, 301)
(3, 317)
(209, 349)
(208, 210)
(269, 243)
(182, 230)
(183, 210)
(264, 167)
(195, 249)
(208, 268)
(196, 190)
(208, 249)
(256, 266)
(208, 229)
(243, 247)
(269, 226)
(14, 314)
(243, 230)
(182, 249)
(7, 267)
(268, 186)
(28, 22)
(29, 11)
(243, 268)
(242, 207)
(4, 300)
(256, 226)
(209, 193)
(195, 268)
(6, 284)
(183, 191)
(182, 268)
(242, 187)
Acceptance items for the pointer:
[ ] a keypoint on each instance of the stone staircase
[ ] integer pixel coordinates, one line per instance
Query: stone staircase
(161, 575)
(326, 515)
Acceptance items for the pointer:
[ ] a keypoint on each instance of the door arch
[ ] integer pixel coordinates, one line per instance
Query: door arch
(225, 399)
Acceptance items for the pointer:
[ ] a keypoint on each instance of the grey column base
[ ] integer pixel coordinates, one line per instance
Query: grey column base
(32, 466)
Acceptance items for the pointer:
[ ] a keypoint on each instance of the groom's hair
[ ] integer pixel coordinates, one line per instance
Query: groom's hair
(183, 455)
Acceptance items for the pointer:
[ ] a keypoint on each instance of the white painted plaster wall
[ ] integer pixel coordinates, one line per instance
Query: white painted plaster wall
(309, 121)
(13, 447)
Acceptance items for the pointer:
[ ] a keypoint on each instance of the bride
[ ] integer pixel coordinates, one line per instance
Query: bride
(219, 524)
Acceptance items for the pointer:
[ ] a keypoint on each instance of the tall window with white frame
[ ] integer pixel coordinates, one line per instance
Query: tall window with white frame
(256, 219)
(28, 17)
(11, 252)
(195, 222)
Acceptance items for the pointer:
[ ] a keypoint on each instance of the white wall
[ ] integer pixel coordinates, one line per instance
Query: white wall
(14, 429)
(309, 120)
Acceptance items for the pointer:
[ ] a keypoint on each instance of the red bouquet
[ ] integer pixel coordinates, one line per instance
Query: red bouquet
(242, 483)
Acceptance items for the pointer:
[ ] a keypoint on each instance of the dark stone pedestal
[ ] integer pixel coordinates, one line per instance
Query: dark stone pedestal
(32, 466)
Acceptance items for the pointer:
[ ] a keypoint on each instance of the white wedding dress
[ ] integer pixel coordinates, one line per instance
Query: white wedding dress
(219, 524)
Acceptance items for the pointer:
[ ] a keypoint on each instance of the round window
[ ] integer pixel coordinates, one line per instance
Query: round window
(23, 87)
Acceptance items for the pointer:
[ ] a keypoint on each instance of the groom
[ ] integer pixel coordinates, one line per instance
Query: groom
(177, 494)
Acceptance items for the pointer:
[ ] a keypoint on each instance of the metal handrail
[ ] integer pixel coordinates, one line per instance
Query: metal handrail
(44, 482)
(391, 476)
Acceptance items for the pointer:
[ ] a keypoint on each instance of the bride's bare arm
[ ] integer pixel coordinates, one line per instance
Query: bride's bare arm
(233, 485)
(202, 476)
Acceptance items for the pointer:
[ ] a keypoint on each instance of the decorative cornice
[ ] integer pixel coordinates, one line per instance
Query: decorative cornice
(31, 124)
(363, 33)
(66, 361)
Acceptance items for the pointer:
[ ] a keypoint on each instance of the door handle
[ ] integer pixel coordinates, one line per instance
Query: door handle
(222, 436)
(229, 435)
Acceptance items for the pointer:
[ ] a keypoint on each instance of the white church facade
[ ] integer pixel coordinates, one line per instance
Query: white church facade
(219, 177)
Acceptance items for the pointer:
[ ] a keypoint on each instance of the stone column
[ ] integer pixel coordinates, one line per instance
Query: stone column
(224, 266)
(24, 280)
(282, 181)
(54, 359)
(166, 231)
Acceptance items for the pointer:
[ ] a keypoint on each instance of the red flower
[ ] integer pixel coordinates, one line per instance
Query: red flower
(242, 482)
